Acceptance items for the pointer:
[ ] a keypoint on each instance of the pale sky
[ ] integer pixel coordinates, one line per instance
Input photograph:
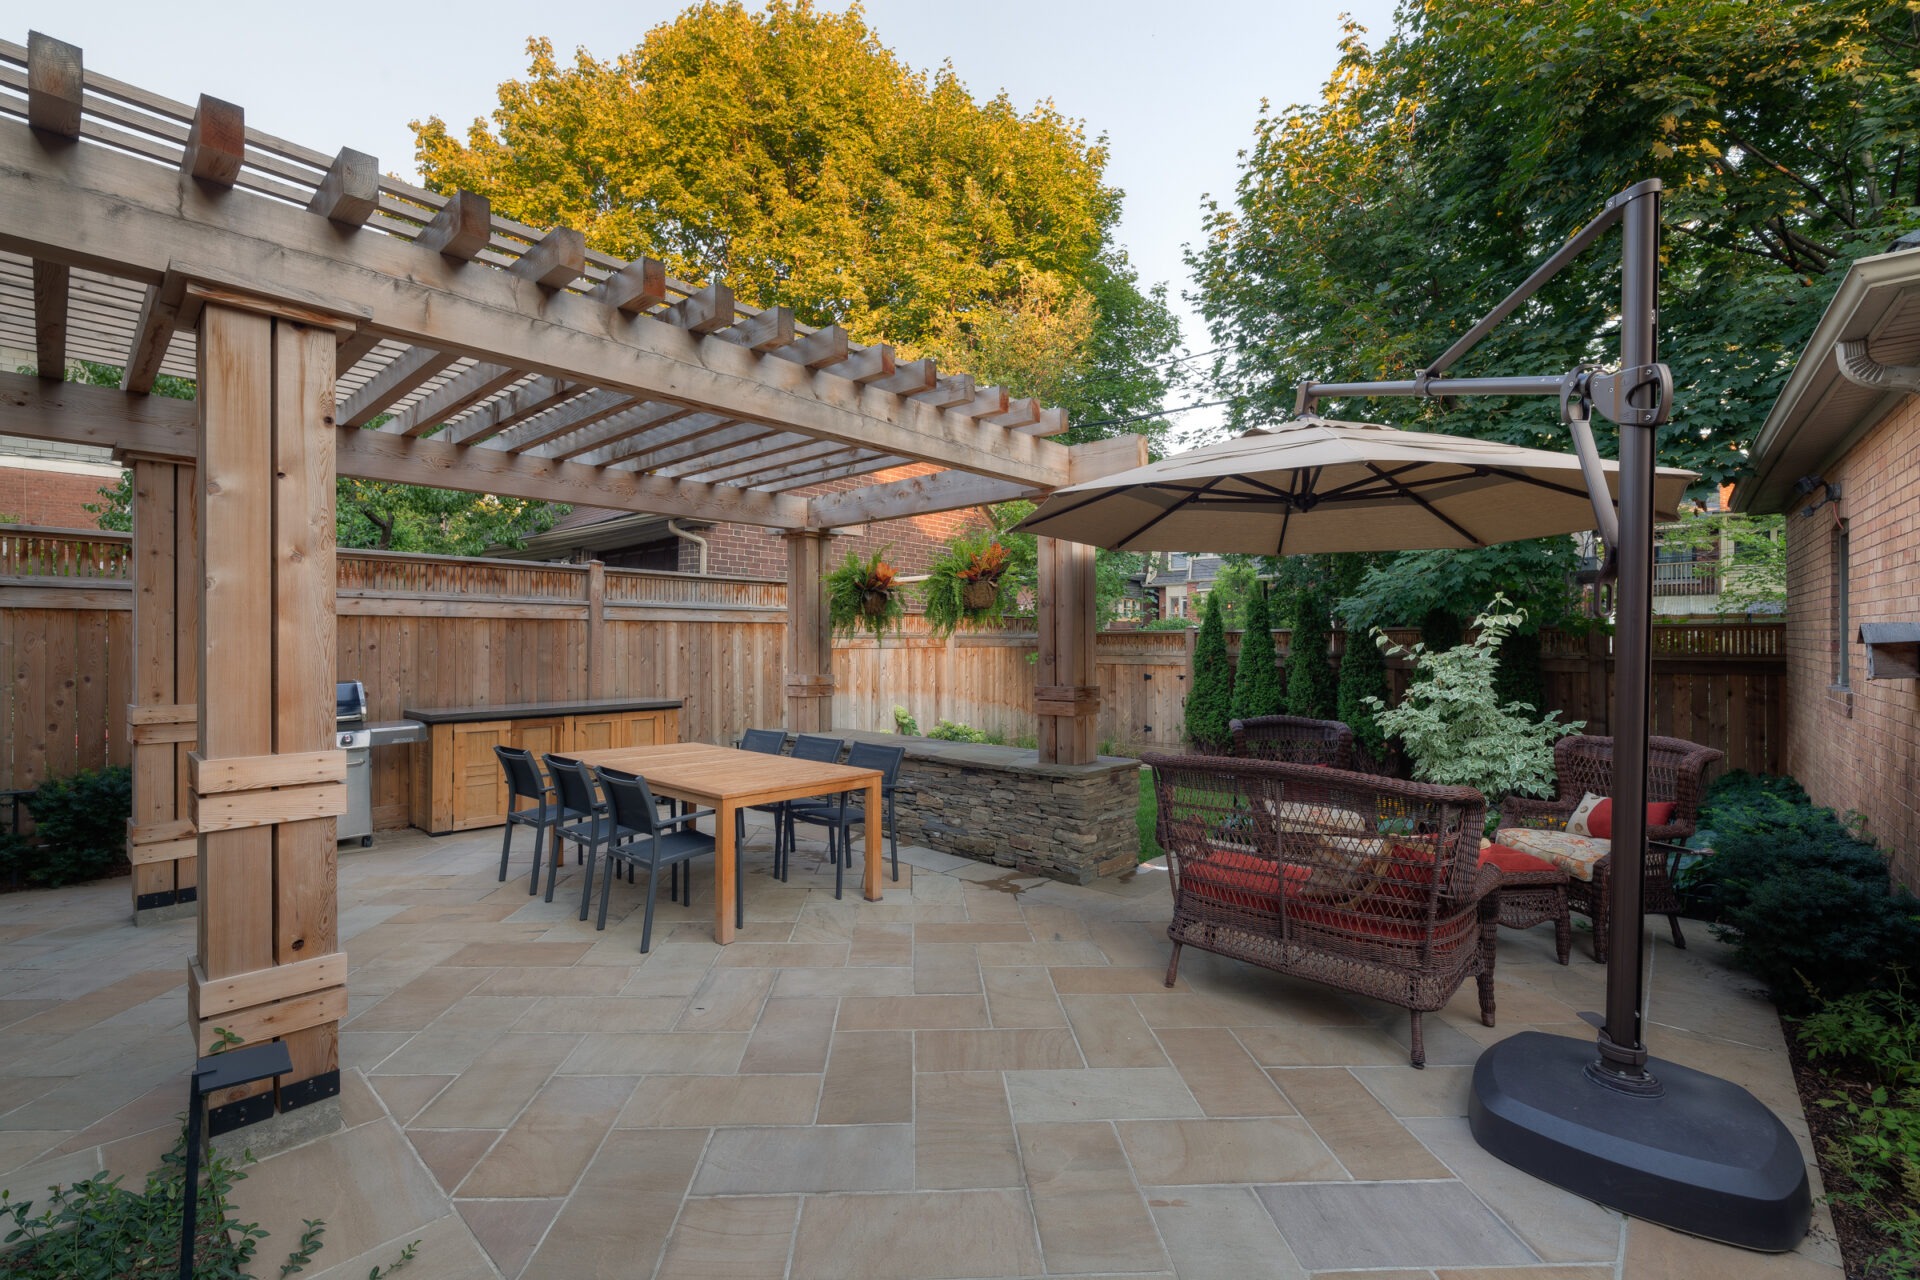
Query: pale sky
(1175, 87)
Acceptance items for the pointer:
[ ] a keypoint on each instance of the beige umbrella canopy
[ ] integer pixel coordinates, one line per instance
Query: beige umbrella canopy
(1314, 484)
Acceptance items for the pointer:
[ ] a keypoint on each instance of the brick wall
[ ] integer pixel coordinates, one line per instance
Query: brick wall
(1858, 748)
(911, 543)
(54, 499)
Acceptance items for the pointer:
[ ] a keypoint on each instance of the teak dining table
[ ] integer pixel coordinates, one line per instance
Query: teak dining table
(727, 780)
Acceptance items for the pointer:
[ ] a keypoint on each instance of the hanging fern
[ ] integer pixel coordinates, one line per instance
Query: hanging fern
(964, 587)
(865, 595)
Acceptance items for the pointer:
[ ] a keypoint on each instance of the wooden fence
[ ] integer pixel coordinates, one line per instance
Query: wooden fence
(435, 631)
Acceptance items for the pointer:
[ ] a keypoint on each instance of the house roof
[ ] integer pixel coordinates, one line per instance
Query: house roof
(1820, 413)
(1186, 569)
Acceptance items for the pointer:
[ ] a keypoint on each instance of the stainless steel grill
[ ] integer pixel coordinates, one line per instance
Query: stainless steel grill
(354, 735)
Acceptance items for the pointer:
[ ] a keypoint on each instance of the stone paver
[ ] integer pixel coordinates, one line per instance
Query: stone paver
(981, 1075)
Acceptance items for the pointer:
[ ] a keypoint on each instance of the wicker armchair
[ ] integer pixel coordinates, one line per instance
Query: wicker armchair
(1367, 884)
(1295, 740)
(1676, 772)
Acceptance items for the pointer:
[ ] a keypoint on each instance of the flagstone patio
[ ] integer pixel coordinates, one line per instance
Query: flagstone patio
(981, 1076)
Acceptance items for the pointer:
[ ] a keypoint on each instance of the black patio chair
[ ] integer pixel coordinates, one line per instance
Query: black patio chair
(821, 749)
(645, 840)
(769, 742)
(583, 819)
(843, 812)
(524, 783)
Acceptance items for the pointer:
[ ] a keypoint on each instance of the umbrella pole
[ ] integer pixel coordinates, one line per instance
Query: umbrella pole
(1650, 1138)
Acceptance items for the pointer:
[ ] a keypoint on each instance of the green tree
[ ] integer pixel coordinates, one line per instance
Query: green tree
(790, 151)
(1312, 690)
(1749, 553)
(1210, 690)
(1256, 685)
(1234, 586)
(1370, 228)
(1363, 683)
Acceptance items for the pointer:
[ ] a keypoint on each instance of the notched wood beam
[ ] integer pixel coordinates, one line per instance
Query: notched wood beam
(768, 331)
(951, 391)
(989, 401)
(152, 335)
(639, 286)
(50, 281)
(55, 83)
(917, 375)
(1019, 414)
(817, 350)
(350, 191)
(1051, 422)
(867, 365)
(461, 229)
(216, 142)
(555, 260)
(707, 311)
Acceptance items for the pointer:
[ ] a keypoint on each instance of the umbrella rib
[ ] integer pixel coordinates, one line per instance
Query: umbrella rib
(1345, 489)
(1195, 496)
(1286, 517)
(1524, 478)
(1039, 518)
(1431, 510)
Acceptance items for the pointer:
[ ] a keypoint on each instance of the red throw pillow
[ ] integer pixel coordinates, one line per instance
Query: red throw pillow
(1600, 821)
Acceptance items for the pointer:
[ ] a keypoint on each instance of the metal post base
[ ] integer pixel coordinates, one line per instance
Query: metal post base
(1702, 1156)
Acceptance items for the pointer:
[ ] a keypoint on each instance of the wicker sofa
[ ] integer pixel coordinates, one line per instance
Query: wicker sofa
(1367, 884)
(1583, 763)
(1294, 739)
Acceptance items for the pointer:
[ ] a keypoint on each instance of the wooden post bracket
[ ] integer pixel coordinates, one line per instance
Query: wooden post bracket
(266, 1003)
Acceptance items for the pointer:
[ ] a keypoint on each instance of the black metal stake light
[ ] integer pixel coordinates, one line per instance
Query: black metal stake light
(1650, 1138)
(211, 1074)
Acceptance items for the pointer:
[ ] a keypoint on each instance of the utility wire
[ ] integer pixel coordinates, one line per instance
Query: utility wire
(1158, 413)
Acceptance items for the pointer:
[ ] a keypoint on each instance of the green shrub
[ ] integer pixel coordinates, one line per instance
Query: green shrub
(1311, 688)
(96, 1227)
(1363, 676)
(1210, 691)
(949, 731)
(81, 822)
(1167, 624)
(1256, 680)
(904, 723)
(1453, 725)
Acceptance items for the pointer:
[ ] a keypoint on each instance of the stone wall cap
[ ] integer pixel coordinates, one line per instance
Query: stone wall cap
(980, 755)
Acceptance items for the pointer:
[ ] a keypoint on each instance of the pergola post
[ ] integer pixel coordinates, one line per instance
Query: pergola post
(166, 680)
(266, 780)
(809, 634)
(1066, 696)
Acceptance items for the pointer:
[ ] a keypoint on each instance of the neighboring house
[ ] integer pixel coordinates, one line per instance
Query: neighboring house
(49, 484)
(1840, 452)
(631, 540)
(1687, 576)
(1179, 583)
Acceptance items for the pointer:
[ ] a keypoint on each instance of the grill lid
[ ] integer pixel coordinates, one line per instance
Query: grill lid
(349, 702)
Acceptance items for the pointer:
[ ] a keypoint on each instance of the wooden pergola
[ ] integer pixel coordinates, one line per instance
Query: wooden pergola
(309, 297)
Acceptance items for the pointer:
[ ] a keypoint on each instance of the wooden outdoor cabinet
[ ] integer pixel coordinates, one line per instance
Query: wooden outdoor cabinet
(457, 781)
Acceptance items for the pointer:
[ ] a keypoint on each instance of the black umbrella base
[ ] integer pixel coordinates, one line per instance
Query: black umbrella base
(1704, 1157)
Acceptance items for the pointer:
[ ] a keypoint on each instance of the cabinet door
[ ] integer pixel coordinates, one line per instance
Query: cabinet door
(597, 733)
(543, 737)
(642, 729)
(479, 786)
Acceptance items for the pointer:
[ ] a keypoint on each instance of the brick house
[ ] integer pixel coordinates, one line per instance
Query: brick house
(48, 484)
(1840, 452)
(630, 540)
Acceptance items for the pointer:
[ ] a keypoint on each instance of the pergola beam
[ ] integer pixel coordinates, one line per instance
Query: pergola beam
(916, 495)
(349, 194)
(93, 207)
(152, 335)
(216, 143)
(409, 371)
(453, 398)
(55, 82)
(50, 280)
(579, 412)
(594, 445)
(520, 404)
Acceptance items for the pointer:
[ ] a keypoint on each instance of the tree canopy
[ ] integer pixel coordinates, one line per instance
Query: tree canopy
(791, 152)
(1371, 228)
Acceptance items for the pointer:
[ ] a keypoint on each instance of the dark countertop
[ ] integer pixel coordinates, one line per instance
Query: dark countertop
(537, 710)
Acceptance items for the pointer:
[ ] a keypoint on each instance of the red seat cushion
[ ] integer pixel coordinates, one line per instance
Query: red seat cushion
(1600, 821)
(1235, 878)
(1514, 861)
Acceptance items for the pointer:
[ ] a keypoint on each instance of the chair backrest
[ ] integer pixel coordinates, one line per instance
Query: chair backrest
(872, 755)
(818, 748)
(630, 801)
(523, 775)
(1294, 739)
(1676, 774)
(1372, 863)
(766, 741)
(572, 784)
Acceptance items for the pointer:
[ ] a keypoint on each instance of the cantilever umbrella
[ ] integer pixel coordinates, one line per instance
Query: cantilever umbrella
(1316, 484)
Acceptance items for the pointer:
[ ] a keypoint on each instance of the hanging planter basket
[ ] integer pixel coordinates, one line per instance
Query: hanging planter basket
(964, 586)
(865, 595)
(874, 604)
(981, 594)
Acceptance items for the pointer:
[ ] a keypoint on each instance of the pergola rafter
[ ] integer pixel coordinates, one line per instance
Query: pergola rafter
(310, 297)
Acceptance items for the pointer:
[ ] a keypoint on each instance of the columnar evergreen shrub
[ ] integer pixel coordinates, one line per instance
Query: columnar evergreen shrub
(81, 822)
(1256, 681)
(1210, 691)
(1312, 690)
(1363, 683)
